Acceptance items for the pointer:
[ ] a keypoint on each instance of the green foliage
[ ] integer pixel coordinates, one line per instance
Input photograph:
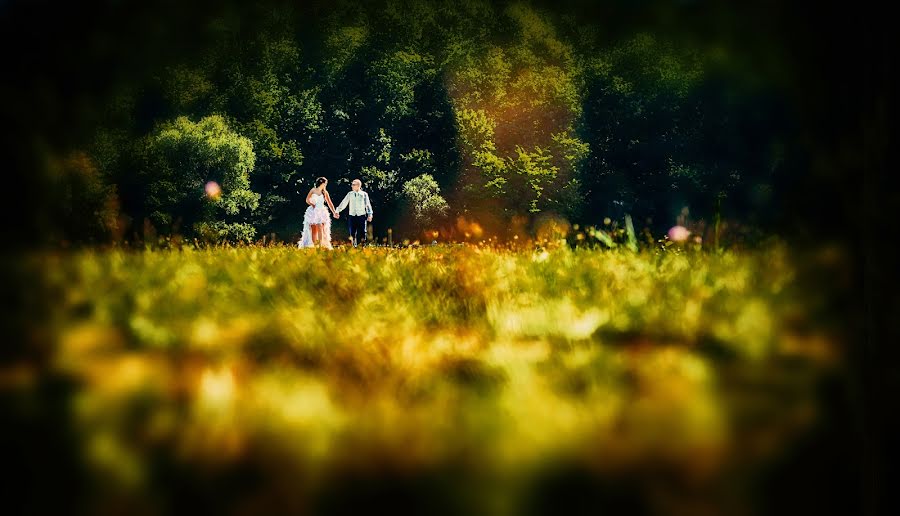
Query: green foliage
(516, 105)
(533, 172)
(187, 87)
(380, 179)
(381, 147)
(268, 90)
(395, 80)
(419, 160)
(221, 231)
(423, 194)
(664, 133)
(521, 110)
(476, 131)
(85, 205)
(341, 45)
(183, 157)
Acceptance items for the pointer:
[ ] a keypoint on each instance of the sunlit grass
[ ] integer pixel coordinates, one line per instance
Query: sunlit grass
(489, 361)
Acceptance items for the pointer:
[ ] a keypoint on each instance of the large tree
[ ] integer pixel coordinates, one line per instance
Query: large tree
(198, 177)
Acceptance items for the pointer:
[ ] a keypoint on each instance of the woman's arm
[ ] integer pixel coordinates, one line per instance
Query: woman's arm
(328, 200)
(310, 195)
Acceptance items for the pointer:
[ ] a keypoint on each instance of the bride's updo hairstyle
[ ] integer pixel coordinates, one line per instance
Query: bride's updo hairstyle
(320, 180)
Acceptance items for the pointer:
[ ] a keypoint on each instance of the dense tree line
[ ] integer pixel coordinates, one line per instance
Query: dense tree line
(450, 112)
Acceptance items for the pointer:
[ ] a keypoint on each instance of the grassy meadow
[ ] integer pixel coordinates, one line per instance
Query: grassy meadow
(439, 379)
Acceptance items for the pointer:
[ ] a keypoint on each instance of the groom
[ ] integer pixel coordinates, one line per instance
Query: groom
(360, 212)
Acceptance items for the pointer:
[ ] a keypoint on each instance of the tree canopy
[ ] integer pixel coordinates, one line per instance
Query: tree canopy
(514, 110)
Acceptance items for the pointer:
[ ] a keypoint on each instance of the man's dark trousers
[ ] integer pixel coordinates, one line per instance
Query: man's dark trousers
(357, 226)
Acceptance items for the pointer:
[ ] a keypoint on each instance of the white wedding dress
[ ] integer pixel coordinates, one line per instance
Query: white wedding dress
(317, 214)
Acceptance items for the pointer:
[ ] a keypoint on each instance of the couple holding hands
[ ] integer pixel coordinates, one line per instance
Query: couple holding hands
(317, 222)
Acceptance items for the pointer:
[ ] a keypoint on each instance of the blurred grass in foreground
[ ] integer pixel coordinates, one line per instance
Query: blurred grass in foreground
(439, 380)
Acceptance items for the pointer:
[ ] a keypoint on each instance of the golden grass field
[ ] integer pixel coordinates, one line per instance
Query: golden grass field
(462, 379)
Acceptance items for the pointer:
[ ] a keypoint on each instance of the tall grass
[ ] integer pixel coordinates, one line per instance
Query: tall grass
(463, 379)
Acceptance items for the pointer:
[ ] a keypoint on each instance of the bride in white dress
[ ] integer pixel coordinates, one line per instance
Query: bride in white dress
(316, 220)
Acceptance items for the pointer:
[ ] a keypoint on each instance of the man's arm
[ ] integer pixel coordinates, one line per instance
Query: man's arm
(343, 203)
(368, 205)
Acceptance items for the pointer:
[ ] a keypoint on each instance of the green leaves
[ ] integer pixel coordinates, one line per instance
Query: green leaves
(423, 195)
(395, 80)
(183, 157)
(535, 171)
(342, 44)
(476, 130)
(379, 179)
(516, 110)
